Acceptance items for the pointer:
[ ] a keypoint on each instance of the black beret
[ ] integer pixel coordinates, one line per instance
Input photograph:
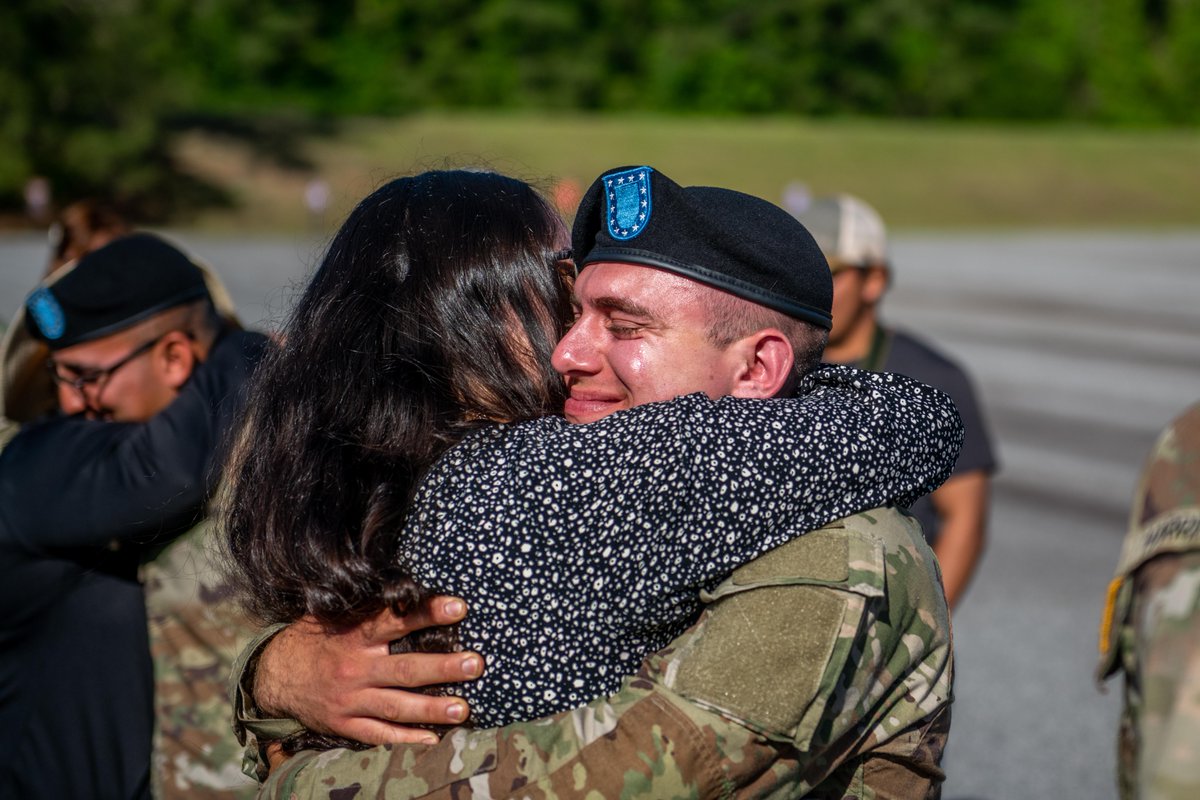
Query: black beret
(112, 288)
(733, 241)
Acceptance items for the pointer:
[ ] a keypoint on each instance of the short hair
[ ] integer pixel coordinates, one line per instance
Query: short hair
(731, 318)
(199, 318)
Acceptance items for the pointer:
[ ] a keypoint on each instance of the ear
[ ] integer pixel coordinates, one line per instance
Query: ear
(177, 359)
(766, 360)
(875, 284)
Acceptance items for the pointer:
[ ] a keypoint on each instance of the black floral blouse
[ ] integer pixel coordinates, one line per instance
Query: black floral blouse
(581, 549)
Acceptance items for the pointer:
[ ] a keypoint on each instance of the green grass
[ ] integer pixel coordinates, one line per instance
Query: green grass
(919, 175)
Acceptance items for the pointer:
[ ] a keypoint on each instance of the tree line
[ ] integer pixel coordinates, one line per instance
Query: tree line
(91, 92)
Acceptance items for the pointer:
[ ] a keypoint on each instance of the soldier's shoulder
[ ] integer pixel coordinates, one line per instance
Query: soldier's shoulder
(895, 531)
(1178, 446)
(1187, 424)
(885, 523)
(1165, 516)
(857, 550)
(905, 567)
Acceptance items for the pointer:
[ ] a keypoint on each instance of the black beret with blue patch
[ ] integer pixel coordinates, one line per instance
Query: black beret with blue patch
(109, 289)
(732, 241)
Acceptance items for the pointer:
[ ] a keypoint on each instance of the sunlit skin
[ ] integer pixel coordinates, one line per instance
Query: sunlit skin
(961, 502)
(640, 337)
(135, 391)
(856, 296)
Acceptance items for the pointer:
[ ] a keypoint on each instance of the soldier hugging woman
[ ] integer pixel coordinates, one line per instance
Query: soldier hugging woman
(406, 438)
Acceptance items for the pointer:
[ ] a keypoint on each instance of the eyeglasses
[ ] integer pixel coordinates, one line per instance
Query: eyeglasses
(95, 377)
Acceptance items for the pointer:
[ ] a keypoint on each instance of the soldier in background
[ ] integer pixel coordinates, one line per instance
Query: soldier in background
(954, 517)
(147, 374)
(80, 228)
(1151, 626)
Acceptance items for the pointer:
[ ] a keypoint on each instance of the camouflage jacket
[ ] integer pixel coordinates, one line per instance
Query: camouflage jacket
(822, 669)
(196, 631)
(1151, 625)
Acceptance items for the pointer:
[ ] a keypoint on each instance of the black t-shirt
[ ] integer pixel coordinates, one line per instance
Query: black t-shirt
(897, 351)
(80, 502)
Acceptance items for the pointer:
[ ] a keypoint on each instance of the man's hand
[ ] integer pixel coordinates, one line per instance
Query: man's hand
(349, 685)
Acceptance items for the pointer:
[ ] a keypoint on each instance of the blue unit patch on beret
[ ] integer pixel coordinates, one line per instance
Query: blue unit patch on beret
(629, 202)
(47, 313)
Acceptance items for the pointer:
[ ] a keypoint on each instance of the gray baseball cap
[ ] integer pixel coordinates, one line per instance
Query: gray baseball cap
(849, 232)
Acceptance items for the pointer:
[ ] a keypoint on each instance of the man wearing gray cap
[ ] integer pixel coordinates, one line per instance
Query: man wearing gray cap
(854, 240)
(822, 668)
(107, 482)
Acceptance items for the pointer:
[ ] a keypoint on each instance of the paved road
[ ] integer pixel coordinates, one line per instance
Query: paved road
(1084, 346)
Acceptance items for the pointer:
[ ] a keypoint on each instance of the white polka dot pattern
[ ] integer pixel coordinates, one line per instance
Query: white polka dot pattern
(581, 548)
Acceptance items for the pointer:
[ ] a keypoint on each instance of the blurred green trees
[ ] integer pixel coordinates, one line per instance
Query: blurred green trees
(92, 90)
(78, 102)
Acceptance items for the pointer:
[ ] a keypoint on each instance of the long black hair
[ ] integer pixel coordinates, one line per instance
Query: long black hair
(435, 309)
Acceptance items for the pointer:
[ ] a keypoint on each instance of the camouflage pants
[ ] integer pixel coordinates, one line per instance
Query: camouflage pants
(1159, 740)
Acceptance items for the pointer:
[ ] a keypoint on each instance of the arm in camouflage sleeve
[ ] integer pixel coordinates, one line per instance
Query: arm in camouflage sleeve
(750, 702)
(665, 747)
(1150, 629)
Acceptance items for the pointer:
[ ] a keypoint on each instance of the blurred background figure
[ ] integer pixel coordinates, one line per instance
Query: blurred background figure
(796, 197)
(1151, 626)
(81, 227)
(104, 491)
(37, 199)
(854, 240)
(566, 194)
(316, 200)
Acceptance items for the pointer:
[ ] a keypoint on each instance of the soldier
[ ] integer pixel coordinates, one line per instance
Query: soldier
(1151, 625)
(148, 375)
(954, 517)
(821, 668)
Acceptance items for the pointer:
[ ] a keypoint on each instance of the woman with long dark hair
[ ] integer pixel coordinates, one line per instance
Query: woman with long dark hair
(403, 437)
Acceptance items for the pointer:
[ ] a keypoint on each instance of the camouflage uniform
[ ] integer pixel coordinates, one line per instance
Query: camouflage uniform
(1151, 627)
(821, 669)
(196, 631)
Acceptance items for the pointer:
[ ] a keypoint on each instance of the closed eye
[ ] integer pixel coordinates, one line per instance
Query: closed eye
(623, 329)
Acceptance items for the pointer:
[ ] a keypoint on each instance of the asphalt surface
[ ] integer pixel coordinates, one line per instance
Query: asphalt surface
(1083, 346)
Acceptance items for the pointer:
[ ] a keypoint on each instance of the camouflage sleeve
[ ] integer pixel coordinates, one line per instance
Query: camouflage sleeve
(197, 627)
(1165, 518)
(1159, 739)
(645, 741)
(1149, 629)
(837, 645)
(809, 660)
(254, 731)
(672, 747)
